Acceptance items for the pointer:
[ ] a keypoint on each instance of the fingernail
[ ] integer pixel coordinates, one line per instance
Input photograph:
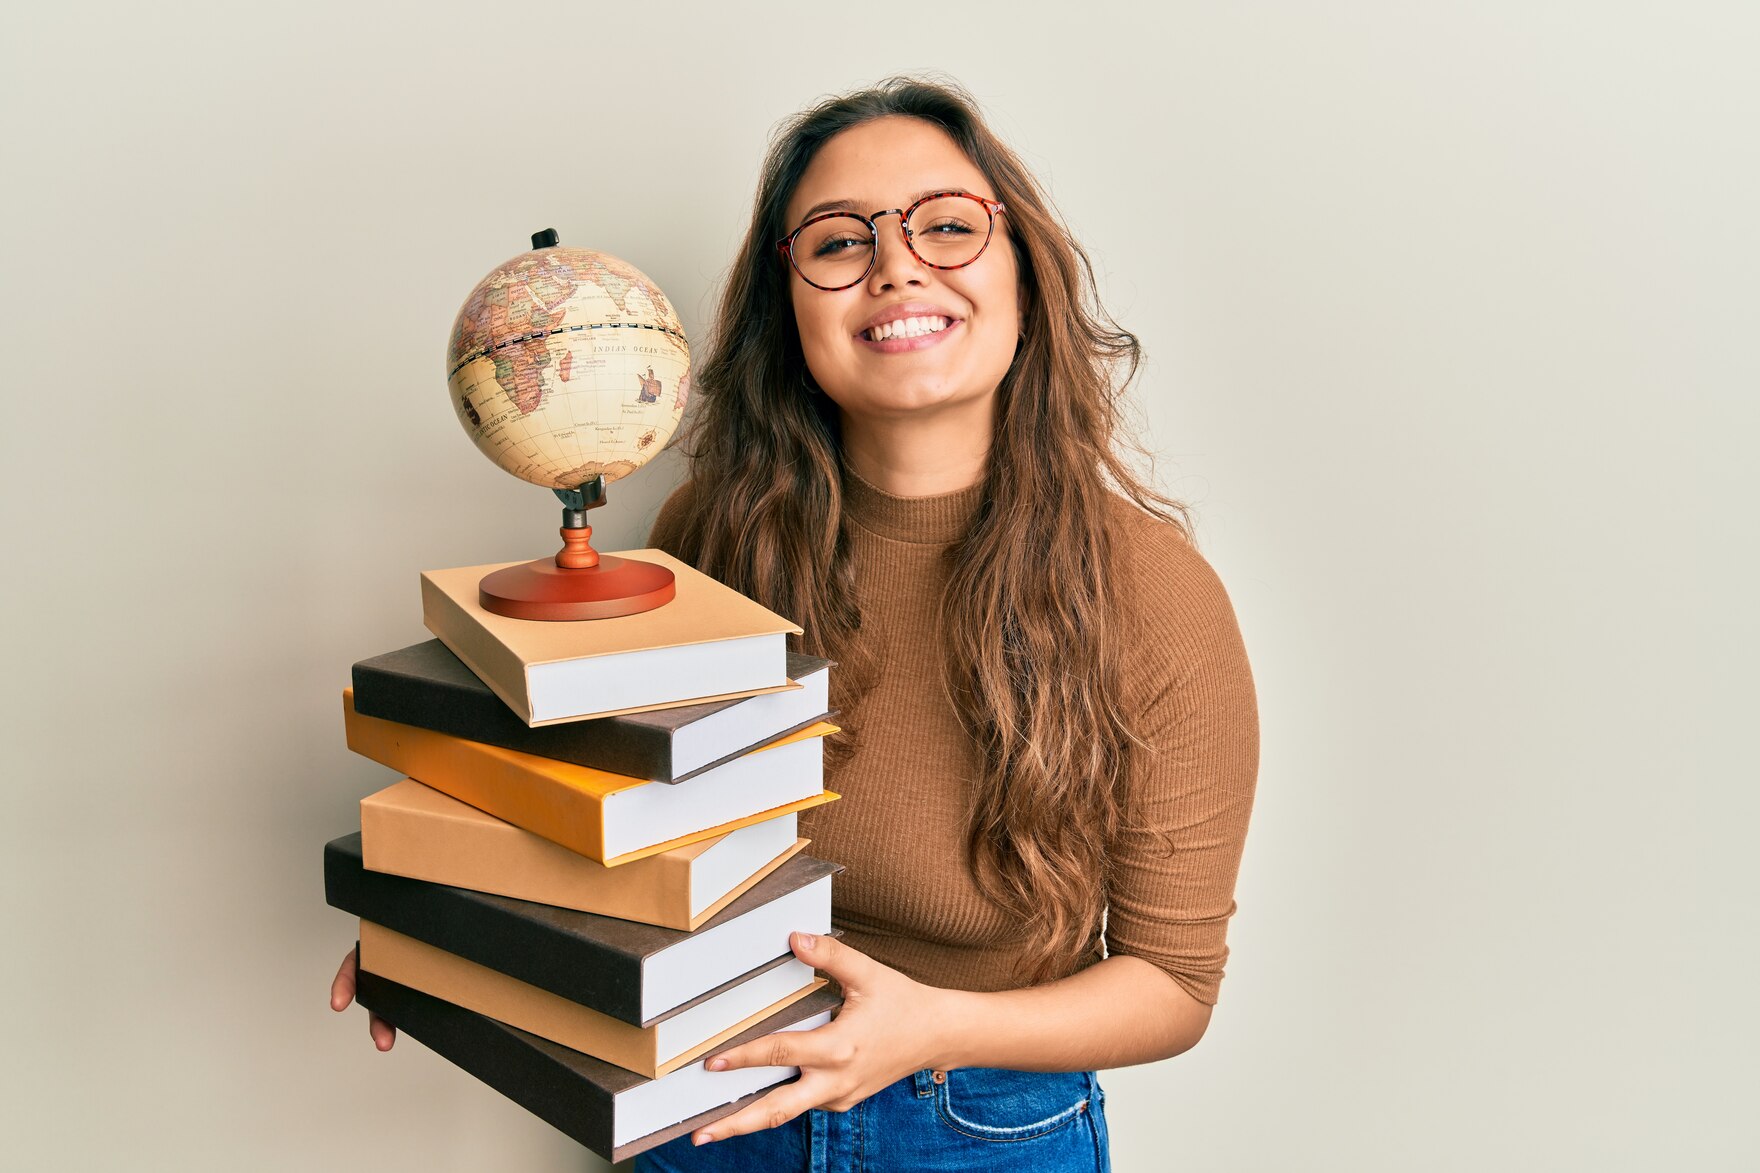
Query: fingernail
(807, 940)
(717, 1065)
(701, 1138)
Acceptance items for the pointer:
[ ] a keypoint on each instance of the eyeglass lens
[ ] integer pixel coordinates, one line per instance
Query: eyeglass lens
(948, 231)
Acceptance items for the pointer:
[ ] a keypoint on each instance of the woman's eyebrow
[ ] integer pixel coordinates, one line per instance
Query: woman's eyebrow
(852, 205)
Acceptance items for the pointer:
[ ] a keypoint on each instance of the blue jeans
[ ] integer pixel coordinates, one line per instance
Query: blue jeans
(976, 1118)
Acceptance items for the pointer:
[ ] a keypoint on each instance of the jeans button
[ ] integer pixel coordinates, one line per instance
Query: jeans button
(938, 1076)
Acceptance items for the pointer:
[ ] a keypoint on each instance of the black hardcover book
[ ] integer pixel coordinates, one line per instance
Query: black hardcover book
(425, 685)
(614, 1112)
(631, 971)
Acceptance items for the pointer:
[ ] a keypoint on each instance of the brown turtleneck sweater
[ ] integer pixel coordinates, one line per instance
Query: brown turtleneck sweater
(908, 898)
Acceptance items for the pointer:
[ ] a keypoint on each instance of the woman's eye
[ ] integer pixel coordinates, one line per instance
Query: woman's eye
(837, 245)
(948, 228)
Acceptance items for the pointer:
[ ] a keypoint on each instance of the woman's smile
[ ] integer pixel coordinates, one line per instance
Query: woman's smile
(907, 326)
(906, 335)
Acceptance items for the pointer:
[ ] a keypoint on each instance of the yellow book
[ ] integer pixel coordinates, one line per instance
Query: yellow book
(607, 817)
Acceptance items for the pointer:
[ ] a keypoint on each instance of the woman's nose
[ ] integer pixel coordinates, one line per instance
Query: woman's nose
(894, 263)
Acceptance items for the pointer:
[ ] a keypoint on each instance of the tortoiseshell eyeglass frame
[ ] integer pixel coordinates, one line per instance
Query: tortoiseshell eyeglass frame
(785, 246)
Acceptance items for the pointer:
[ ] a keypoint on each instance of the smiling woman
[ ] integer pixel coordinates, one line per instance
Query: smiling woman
(906, 440)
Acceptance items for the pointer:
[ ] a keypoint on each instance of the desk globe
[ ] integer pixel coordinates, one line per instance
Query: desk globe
(570, 370)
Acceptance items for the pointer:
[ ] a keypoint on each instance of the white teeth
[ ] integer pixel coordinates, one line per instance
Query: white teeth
(908, 328)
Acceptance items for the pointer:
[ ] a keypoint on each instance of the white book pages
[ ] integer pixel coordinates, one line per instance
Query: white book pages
(653, 676)
(713, 956)
(688, 1028)
(738, 855)
(739, 725)
(655, 812)
(649, 1107)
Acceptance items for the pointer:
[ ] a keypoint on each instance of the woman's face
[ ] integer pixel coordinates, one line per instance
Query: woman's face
(887, 163)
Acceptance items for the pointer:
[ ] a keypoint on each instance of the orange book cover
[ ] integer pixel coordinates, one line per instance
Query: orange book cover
(567, 803)
(408, 829)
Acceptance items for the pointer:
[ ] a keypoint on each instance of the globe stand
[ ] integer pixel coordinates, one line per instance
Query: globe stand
(579, 582)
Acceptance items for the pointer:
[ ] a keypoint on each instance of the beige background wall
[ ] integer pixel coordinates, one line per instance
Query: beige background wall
(1450, 311)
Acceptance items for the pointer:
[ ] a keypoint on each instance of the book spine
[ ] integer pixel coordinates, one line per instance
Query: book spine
(477, 987)
(489, 855)
(611, 744)
(568, 1090)
(489, 778)
(534, 1077)
(493, 662)
(511, 937)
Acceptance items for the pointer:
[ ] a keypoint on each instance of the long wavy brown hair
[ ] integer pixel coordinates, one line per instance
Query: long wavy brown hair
(1029, 588)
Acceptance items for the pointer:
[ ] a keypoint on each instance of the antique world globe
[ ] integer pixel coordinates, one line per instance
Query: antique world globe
(569, 369)
(566, 364)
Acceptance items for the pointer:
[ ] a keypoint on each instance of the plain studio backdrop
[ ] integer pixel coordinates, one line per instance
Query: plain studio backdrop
(1450, 313)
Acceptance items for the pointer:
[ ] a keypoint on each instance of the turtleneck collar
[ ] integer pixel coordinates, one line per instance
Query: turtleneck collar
(936, 520)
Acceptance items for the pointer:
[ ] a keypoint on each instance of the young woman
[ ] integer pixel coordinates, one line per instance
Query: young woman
(905, 427)
(906, 441)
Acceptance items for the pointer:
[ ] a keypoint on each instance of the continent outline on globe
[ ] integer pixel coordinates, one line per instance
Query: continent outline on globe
(568, 363)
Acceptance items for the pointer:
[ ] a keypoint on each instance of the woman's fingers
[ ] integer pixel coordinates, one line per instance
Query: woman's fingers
(777, 1108)
(342, 988)
(342, 993)
(854, 970)
(821, 1047)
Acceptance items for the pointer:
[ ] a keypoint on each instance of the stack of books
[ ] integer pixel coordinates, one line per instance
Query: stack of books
(585, 883)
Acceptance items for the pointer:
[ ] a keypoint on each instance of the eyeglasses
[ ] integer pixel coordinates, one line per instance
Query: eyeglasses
(943, 230)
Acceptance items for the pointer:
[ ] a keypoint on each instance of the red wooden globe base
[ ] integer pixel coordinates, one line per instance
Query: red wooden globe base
(578, 583)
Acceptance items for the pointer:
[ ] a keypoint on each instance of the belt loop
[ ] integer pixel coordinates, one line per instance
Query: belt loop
(925, 1085)
(818, 1144)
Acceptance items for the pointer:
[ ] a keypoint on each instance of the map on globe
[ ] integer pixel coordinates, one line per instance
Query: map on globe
(566, 364)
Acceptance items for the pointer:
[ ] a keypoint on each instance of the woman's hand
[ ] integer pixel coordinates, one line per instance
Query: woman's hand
(889, 1027)
(342, 993)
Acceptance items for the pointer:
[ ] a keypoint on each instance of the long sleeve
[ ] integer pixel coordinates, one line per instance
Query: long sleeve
(909, 898)
(1190, 791)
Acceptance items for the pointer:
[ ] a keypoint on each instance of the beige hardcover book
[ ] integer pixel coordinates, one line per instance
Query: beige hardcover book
(709, 643)
(654, 1049)
(408, 829)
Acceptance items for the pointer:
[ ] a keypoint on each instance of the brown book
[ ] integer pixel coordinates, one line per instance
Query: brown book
(654, 1049)
(612, 1111)
(709, 643)
(408, 829)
